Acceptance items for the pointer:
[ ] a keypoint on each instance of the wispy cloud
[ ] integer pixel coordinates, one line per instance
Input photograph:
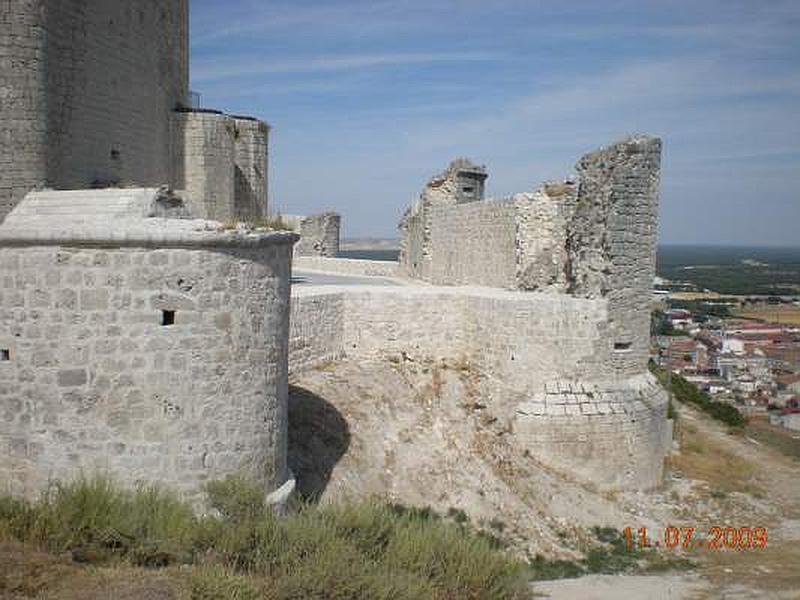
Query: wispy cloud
(216, 70)
(380, 95)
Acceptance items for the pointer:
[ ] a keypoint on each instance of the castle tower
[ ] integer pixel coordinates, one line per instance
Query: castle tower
(90, 87)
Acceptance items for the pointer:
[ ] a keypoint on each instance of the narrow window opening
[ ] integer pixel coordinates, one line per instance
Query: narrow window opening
(469, 190)
(167, 317)
(619, 346)
(5, 355)
(114, 154)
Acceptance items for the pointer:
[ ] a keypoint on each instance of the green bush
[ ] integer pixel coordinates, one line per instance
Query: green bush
(686, 392)
(95, 520)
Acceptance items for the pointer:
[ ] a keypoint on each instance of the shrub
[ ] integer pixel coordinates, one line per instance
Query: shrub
(236, 499)
(686, 392)
(368, 550)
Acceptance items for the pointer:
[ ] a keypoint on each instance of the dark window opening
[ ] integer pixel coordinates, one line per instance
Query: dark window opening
(622, 346)
(469, 190)
(114, 154)
(167, 317)
(5, 355)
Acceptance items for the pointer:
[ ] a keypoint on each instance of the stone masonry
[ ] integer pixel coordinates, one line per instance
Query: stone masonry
(88, 93)
(150, 348)
(595, 237)
(566, 339)
(319, 234)
(94, 95)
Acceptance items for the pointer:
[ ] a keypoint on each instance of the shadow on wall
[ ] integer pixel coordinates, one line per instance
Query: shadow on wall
(318, 438)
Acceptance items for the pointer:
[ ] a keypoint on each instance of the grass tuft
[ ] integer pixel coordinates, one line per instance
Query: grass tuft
(241, 551)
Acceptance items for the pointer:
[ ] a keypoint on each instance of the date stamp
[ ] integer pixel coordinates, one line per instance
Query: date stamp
(691, 538)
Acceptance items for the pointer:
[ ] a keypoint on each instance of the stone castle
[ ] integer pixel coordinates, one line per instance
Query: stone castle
(548, 292)
(146, 334)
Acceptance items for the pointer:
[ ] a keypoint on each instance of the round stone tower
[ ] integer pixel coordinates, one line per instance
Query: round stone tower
(149, 348)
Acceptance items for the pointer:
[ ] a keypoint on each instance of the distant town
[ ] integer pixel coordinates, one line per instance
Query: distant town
(741, 349)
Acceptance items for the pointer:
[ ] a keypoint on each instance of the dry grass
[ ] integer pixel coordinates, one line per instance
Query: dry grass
(29, 573)
(771, 569)
(789, 315)
(705, 459)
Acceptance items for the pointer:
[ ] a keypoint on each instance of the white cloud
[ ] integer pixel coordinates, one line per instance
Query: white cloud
(214, 70)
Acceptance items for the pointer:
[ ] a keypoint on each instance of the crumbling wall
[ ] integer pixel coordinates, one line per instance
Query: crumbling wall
(461, 183)
(90, 92)
(541, 232)
(593, 238)
(319, 234)
(251, 141)
(612, 238)
(414, 255)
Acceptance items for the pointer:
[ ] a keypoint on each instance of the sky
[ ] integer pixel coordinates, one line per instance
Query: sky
(368, 100)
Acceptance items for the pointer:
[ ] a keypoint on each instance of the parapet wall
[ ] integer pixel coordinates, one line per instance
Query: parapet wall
(348, 266)
(473, 244)
(90, 92)
(549, 351)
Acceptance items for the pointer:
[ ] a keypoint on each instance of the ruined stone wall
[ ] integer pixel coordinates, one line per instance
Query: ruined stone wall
(462, 182)
(612, 241)
(98, 377)
(208, 140)
(92, 89)
(473, 244)
(319, 234)
(542, 223)
(595, 238)
(549, 352)
(251, 142)
(414, 256)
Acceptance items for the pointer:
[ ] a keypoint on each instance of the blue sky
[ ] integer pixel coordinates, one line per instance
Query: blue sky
(367, 100)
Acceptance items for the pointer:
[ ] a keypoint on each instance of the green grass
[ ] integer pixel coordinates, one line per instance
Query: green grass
(241, 551)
